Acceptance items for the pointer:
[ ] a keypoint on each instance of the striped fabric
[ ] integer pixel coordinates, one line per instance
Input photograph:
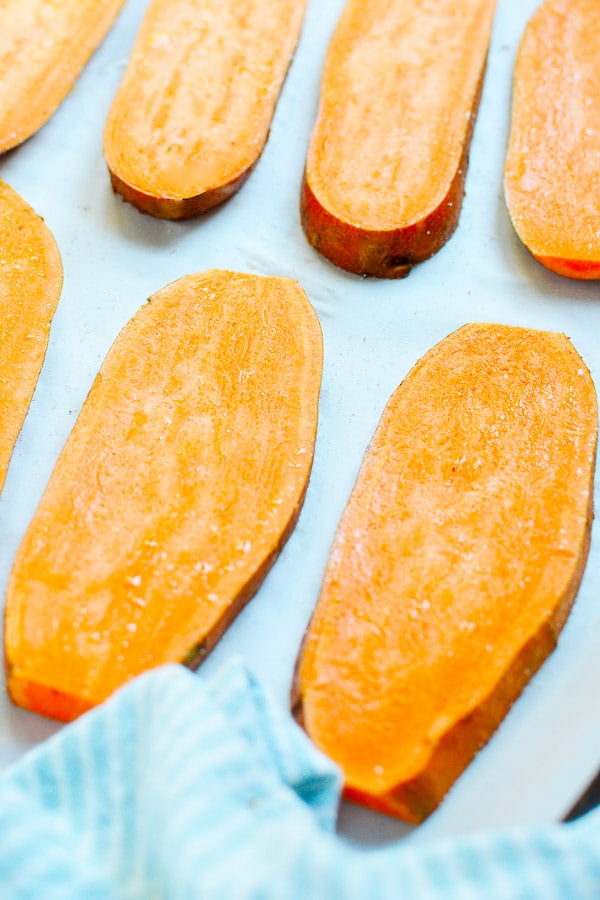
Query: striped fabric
(180, 787)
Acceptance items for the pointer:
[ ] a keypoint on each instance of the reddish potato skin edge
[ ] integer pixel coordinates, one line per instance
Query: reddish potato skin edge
(583, 270)
(176, 209)
(381, 254)
(391, 253)
(415, 800)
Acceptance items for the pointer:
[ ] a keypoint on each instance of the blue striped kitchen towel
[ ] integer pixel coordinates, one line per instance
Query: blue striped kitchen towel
(183, 787)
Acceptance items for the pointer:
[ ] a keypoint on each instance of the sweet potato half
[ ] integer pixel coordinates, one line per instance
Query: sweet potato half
(455, 564)
(31, 277)
(552, 177)
(43, 48)
(182, 478)
(386, 166)
(193, 112)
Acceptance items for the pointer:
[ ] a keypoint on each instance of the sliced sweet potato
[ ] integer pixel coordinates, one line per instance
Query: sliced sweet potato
(455, 564)
(30, 284)
(551, 173)
(386, 166)
(193, 111)
(183, 476)
(43, 48)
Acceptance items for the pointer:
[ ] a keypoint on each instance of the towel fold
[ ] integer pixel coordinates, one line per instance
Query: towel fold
(183, 787)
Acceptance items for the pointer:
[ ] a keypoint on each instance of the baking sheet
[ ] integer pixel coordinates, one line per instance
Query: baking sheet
(374, 331)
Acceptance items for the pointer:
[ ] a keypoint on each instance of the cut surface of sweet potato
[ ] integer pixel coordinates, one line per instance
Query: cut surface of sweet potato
(31, 278)
(386, 166)
(455, 563)
(194, 110)
(183, 476)
(43, 48)
(552, 177)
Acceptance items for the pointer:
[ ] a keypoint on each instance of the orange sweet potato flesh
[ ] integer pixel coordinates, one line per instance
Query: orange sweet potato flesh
(193, 112)
(183, 476)
(43, 48)
(551, 171)
(455, 563)
(385, 172)
(31, 278)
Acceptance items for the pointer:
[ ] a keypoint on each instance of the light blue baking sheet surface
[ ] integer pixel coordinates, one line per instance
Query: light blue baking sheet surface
(374, 331)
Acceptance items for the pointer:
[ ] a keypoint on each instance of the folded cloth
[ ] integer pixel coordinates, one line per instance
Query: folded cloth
(182, 787)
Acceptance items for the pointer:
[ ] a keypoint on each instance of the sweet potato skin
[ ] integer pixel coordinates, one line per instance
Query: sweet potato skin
(193, 112)
(183, 477)
(382, 254)
(551, 175)
(43, 48)
(367, 204)
(174, 208)
(30, 285)
(464, 554)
